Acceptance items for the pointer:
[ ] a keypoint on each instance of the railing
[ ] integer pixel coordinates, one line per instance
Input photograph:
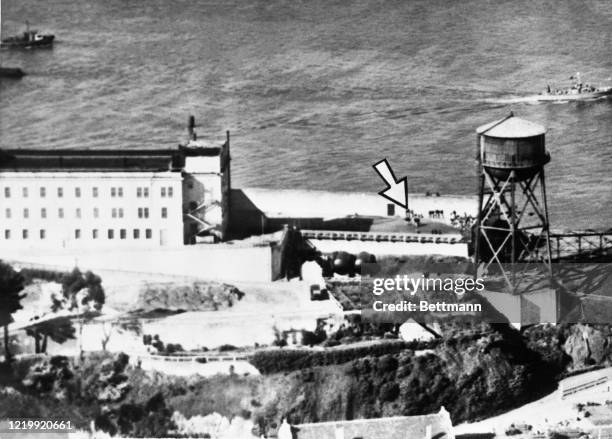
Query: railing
(421, 238)
(566, 391)
(190, 358)
(575, 244)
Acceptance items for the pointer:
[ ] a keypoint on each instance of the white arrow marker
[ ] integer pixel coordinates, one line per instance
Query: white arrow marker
(397, 190)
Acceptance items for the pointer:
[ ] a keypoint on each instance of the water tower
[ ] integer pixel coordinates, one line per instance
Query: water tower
(512, 229)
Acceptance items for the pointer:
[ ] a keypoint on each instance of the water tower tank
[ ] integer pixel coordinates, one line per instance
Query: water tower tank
(512, 144)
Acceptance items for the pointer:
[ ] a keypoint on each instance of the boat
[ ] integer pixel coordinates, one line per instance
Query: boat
(11, 72)
(30, 39)
(577, 92)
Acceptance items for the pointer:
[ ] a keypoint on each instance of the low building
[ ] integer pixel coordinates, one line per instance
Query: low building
(434, 426)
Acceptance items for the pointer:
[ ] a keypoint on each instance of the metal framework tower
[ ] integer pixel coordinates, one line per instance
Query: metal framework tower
(512, 229)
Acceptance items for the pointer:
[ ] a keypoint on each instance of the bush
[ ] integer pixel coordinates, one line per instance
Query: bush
(389, 392)
(387, 363)
(273, 361)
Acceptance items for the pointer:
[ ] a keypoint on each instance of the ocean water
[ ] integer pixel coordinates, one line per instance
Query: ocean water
(316, 91)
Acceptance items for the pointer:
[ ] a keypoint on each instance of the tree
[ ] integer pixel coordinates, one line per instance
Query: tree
(58, 329)
(107, 331)
(73, 286)
(80, 293)
(11, 287)
(85, 295)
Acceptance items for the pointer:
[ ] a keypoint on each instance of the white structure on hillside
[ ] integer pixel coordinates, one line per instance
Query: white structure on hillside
(432, 426)
(411, 330)
(77, 199)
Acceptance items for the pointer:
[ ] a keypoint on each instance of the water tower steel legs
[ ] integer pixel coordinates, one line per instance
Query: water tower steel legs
(504, 228)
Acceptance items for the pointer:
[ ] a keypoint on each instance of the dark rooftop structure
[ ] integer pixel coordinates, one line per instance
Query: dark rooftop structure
(95, 160)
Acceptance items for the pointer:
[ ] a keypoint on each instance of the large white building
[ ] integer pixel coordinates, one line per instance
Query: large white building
(113, 198)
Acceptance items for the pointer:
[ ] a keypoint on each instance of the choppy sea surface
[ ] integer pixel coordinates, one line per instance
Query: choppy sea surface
(316, 91)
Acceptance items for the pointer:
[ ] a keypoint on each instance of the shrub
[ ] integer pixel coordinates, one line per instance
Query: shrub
(389, 392)
(285, 360)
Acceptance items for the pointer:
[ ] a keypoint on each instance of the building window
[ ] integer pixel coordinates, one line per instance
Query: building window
(390, 209)
(77, 192)
(136, 233)
(60, 192)
(114, 212)
(43, 192)
(94, 192)
(60, 212)
(7, 213)
(120, 212)
(143, 212)
(116, 192)
(96, 212)
(146, 212)
(122, 234)
(145, 192)
(94, 233)
(166, 191)
(164, 212)
(26, 213)
(43, 234)
(24, 233)
(139, 192)
(43, 213)
(7, 192)
(24, 192)
(78, 212)
(148, 233)
(111, 233)
(7, 234)
(77, 234)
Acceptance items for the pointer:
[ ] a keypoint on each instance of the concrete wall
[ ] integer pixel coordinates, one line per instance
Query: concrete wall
(214, 261)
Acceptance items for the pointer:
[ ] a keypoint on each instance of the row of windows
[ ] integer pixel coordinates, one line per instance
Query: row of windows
(143, 212)
(141, 192)
(110, 234)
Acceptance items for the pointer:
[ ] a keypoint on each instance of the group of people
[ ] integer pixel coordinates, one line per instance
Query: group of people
(461, 221)
(436, 213)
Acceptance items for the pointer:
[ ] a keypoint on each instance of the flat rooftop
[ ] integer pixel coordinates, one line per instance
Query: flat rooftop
(92, 160)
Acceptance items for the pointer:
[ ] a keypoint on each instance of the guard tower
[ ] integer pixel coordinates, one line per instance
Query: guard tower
(512, 229)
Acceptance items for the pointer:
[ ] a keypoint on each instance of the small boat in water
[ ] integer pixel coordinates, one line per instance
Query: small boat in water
(11, 72)
(30, 39)
(577, 92)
